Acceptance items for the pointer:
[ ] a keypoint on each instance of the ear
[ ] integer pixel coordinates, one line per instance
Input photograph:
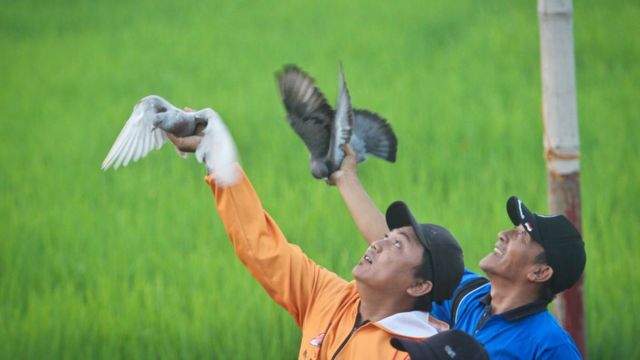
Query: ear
(540, 273)
(420, 287)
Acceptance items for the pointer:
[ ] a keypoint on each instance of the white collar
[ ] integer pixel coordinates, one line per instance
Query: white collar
(415, 324)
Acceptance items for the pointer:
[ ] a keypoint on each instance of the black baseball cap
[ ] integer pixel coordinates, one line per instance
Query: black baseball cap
(453, 344)
(561, 241)
(445, 254)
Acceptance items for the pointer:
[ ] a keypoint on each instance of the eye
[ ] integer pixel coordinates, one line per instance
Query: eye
(161, 109)
(396, 243)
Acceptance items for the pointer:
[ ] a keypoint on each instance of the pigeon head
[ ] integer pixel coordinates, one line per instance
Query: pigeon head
(319, 168)
(155, 104)
(164, 115)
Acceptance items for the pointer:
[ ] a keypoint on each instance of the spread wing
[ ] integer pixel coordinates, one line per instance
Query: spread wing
(373, 135)
(218, 150)
(136, 139)
(308, 112)
(342, 125)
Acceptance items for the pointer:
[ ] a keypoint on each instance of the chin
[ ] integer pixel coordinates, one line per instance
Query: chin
(356, 271)
(485, 264)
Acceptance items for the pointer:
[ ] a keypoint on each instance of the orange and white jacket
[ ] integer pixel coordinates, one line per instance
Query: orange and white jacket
(323, 305)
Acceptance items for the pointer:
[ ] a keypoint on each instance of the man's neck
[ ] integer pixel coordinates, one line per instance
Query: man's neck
(375, 306)
(506, 295)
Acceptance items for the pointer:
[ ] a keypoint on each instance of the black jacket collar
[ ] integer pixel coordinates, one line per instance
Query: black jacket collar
(521, 311)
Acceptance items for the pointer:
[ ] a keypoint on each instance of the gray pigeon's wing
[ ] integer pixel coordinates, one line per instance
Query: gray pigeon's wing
(136, 139)
(375, 135)
(342, 125)
(308, 112)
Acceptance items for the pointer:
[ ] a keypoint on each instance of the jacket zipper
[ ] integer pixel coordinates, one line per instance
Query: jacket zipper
(486, 315)
(356, 326)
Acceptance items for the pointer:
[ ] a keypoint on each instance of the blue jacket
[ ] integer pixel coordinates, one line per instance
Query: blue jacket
(527, 332)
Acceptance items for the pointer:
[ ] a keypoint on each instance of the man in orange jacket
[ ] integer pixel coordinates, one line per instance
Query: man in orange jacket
(396, 279)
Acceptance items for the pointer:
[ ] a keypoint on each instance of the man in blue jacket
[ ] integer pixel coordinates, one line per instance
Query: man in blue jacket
(531, 263)
(537, 258)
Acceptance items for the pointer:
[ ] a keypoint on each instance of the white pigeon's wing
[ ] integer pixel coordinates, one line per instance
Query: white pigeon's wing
(342, 126)
(218, 151)
(136, 139)
(308, 111)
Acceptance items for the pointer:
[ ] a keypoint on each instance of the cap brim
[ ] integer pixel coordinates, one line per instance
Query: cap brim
(398, 215)
(415, 349)
(517, 211)
(519, 214)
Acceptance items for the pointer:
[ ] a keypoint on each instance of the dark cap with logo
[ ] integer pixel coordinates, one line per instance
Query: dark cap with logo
(445, 254)
(561, 241)
(448, 345)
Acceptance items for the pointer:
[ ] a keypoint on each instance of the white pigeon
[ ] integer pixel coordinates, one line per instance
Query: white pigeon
(324, 130)
(153, 117)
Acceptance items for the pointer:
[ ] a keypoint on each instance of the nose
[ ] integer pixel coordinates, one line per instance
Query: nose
(376, 246)
(502, 236)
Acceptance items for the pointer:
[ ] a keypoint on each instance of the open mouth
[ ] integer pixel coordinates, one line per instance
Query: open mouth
(498, 251)
(367, 258)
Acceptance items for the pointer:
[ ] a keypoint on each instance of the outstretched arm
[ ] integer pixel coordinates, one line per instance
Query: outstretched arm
(366, 215)
(291, 279)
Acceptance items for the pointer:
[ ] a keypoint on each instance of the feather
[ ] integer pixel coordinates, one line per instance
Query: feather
(324, 130)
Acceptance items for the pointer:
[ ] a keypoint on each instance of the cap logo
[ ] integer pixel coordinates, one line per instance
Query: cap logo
(520, 209)
(450, 352)
(528, 226)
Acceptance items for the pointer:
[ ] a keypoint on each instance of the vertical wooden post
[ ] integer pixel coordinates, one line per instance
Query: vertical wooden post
(561, 141)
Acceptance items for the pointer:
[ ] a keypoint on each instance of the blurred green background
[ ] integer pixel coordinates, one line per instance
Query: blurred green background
(135, 263)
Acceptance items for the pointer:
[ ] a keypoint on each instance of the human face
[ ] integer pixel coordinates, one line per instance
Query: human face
(390, 263)
(513, 256)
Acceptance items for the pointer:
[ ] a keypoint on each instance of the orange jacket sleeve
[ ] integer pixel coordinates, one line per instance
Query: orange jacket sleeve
(284, 271)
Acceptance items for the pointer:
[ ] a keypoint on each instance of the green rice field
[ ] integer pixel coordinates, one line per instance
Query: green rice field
(135, 263)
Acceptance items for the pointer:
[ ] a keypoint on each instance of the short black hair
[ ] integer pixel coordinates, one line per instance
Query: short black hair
(546, 293)
(423, 271)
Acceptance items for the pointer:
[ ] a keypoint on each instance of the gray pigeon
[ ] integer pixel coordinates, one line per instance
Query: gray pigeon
(153, 117)
(324, 130)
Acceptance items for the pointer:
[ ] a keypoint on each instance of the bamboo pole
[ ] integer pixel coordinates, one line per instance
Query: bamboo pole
(561, 141)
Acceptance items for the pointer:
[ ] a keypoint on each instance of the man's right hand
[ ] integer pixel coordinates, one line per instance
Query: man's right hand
(187, 143)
